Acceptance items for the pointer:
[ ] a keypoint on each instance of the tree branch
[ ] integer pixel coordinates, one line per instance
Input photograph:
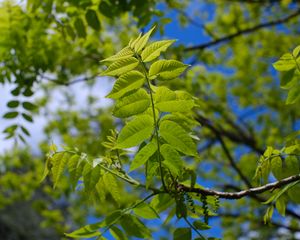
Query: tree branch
(243, 32)
(243, 193)
(232, 162)
(237, 138)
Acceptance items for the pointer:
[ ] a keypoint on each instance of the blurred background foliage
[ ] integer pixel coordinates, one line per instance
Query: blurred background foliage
(53, 46)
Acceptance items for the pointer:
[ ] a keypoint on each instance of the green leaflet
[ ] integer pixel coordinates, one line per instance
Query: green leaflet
(155, 49)
(88, 231)
(184, 120)
(152, 169)
(145, 211)
(80, 28)
(141, 43)
(123, 54)
(167, 100)
(121, 66)
(163, 94)
(281, 169)
(182, 234)
(59, 161)
(75, 167)
(132, 42)
(172, 159)
(134, 227)
(296, 51)
(117, 233)
(112, 186)
(200, 225)
(90, 177)
(93, 230)
(293, 95)
(161, 202)
(143, 155)
(92, 19)
(167, 69)
(285, 63)
(125, 83)
(177, 137)
(135, 132)
(132, 104)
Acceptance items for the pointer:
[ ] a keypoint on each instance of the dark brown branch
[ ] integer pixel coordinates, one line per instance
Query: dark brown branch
(84, 79)
(237, 138)
(243, 193)
(245, 31)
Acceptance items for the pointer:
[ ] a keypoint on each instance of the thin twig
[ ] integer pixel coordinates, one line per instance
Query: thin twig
(243, 32)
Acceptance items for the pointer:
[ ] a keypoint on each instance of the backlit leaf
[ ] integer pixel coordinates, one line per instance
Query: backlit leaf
(141, 43)
(121, 66)
(177, 137)
(125, 83)
(132, 104)
(143, 155)
(167, 69)
(135, 132)
(172, 159)
(285, 63)
(59, 161)
(155, 49)
(123, 54)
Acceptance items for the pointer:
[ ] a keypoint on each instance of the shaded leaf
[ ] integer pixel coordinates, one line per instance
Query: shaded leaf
(13, 104)
(92, 19)
(10, 115)
(182, 234)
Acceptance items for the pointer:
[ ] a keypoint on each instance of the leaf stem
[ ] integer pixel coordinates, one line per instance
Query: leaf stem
(155, 122)
(195, 229)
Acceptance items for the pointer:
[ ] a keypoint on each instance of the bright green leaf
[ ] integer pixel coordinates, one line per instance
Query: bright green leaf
(132, 104)
(123, 54)
(134, 227)
(177, 137)
(125, 83)
(285, 63)
(121, 66)
(145, 211)
(172, 159)
(155, 49)
(143, 155)
(141, 43)
(167, 69)
(135, 132)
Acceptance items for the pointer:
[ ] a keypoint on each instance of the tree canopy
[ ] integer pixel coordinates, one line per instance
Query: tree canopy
(200, 137)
